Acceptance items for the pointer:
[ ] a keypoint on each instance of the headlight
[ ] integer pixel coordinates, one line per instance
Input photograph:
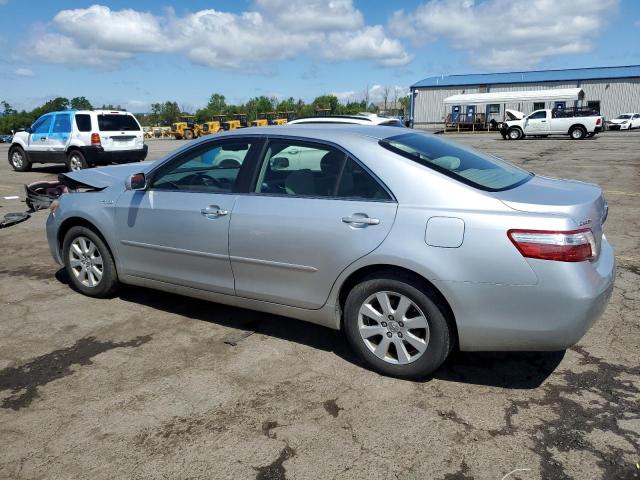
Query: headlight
(625, 122)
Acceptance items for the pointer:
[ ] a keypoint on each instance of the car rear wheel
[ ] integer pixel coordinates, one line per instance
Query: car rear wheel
(89, 263)
(515, 134)
(18, 159)
(397, 327)
(76, 161)
(578, 133)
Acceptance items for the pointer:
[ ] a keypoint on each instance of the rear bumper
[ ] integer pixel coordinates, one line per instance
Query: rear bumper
(597, 129)
(552, 315)
(96, 155)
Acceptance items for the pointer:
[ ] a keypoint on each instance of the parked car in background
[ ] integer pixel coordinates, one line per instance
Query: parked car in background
(488, 257)
(6, 138)
(626, 121)
(359, 119)
(542, 123)
(79, 139)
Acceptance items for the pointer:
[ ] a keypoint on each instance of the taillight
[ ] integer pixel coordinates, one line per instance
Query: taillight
(95, 139)
(562, 246)
(599, 121)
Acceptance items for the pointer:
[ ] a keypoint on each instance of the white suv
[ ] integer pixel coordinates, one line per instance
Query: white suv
(80, 139)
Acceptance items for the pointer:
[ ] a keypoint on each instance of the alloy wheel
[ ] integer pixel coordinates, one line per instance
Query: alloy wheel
(85, 261)
(75, 163)
(16, 159)
(393, 327)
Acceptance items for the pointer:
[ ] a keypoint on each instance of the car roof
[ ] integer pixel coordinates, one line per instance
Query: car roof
(100, 112)
(331, 133)
(353, 119)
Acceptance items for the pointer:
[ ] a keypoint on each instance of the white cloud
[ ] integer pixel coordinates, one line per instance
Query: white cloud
(503, 34)
(24, 72)
(274, 30)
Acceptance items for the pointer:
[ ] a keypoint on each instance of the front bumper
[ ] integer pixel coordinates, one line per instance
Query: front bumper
(552, 315)
(53, 225)
(619, 126)
(97, 155)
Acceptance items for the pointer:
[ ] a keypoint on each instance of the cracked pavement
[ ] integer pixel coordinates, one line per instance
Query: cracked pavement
(143, 385)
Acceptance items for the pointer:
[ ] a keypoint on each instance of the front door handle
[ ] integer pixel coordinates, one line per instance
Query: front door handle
(360, 219)
(213, 211)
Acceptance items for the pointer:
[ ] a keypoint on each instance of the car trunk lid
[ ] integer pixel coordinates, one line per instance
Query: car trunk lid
(582, 202)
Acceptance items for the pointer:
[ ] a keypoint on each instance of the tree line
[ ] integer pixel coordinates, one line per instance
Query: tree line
(165, 113)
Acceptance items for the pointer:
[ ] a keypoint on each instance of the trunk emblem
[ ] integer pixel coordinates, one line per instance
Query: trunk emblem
(586, 221)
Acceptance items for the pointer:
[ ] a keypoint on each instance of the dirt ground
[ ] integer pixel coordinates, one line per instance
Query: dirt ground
(144, 386)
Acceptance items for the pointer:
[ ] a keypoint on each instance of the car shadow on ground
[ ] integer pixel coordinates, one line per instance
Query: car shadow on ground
(511, 370)
(51, 169)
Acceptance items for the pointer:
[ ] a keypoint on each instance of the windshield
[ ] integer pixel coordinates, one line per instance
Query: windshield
(113, 122)
(465, 165)
(624, 117)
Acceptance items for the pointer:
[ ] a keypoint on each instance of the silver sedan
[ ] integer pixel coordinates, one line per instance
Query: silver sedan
(410, 244)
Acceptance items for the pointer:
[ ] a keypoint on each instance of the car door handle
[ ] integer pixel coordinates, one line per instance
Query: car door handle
(360, 220)
(42, 139)
(214, 211)
(543, 121)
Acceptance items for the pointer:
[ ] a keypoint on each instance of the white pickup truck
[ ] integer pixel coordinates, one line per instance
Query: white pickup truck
(542, 123)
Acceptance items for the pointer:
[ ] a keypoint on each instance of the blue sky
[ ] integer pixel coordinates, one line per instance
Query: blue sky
(137, 53)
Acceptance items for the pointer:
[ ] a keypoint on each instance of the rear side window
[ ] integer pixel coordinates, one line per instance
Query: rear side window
(62, 123)
(83, 122)
(465, 165)
(113, 122)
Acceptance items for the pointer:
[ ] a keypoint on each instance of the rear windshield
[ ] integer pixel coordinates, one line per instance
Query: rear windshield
(112, 122)
(465, 165)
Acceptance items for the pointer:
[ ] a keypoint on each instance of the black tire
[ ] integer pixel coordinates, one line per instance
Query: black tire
(577, 133)
(23, 165)
(188, 134)
(591, 134)
(108, 283)
(440, 340)
(515, 133)
(76, 161)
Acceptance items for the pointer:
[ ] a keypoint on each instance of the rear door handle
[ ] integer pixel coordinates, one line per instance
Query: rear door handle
(213, 211)
(360, 219)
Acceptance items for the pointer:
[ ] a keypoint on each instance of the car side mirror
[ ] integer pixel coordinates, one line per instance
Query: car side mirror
(136, 182)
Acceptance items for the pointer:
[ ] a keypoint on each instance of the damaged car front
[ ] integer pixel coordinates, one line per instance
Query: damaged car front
(88, 198)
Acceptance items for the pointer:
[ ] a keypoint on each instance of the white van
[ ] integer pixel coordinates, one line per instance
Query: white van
(80, 139)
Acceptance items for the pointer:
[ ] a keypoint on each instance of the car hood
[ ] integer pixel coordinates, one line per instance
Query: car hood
(103, 177)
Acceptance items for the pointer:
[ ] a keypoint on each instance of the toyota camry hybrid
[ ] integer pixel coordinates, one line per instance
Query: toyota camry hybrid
(410, 244)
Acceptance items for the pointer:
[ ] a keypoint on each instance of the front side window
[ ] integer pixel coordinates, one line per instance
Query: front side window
(42, 125)
(538, 115)
(113, 122)
(211, 168)
(62, 123)
(465, 165)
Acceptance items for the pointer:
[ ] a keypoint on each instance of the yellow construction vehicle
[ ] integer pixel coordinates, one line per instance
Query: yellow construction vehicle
(186, 128)
(215, 125)
(239, 121)
(261, 121)
(278, 118)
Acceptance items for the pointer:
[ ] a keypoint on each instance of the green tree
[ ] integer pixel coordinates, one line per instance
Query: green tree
(405, 104)
(326, 101)
(7, 109)
(217, 104)
(80, 103)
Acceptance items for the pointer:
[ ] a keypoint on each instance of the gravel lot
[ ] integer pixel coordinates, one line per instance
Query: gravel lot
(144, 386)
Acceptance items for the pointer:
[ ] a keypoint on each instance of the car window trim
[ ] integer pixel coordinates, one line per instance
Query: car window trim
(328, 143)
(240, 184)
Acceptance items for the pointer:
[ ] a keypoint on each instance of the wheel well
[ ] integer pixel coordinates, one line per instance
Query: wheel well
(357, 276)
(577, 125)
(69, 223)
(73, 148)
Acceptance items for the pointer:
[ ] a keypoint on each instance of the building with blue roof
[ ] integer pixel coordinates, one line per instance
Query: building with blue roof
(609, 90)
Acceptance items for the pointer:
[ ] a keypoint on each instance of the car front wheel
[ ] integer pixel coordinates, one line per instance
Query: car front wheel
(18, 159)
(515, 134)
(397, 327)
(89, 263)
